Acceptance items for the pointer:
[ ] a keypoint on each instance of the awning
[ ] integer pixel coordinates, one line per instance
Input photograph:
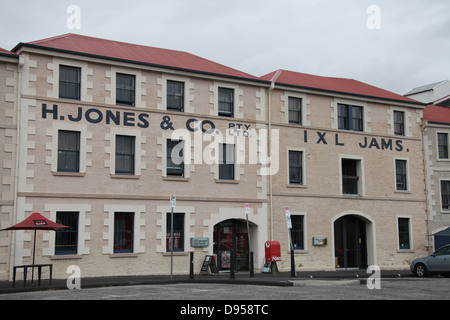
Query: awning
(443, 233)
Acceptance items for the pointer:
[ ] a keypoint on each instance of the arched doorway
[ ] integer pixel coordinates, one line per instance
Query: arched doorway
(350, 242)
(231, 235)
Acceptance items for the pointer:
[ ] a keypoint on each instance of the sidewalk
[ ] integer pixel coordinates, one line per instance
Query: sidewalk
(282, 279)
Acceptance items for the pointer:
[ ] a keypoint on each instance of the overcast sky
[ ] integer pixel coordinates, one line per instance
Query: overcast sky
(396, 44)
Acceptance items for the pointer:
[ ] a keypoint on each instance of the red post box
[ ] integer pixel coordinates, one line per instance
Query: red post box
(273, 251)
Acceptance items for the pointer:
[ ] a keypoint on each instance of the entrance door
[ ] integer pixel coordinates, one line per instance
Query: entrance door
(231, 235)
(350, 242)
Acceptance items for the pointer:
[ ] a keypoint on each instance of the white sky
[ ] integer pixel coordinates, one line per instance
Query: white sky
(322, 37)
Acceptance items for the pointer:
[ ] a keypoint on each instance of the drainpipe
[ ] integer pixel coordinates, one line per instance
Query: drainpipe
(16, 169)
(423, 127)
(272, 86)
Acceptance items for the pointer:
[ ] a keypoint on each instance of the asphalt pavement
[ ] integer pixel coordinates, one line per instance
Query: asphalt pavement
(283, 279)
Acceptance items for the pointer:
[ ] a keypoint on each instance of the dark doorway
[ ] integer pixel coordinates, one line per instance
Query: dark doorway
(231, 235)
(350, 242)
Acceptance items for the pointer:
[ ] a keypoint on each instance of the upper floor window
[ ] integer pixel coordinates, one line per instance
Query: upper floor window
(175, 95)
(68, 151)
(295, 167)
(445, 195)
(69, 82)
(226, 161)
(442, 145)
(295, 110)
(226, 102)
(399, 123)
(350, 176)
(401, 174)
(350, 117)
(175, 161)
(125, 89)
(125, 146)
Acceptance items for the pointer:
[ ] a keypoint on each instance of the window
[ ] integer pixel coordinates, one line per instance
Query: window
(175, 95)
(442, 251)
(350, 117)
(226, 161)
(123, 232)
(178, 231)
(68, 151)
(175, 161)
(66, 240)
(125, 154)
(297, 232)
(350, 177)
(401, 174)
(445, 195)
(295, 167)
(443, 145)
(125, 89)
(295, 110)
(403, 234)
(399, 123)
(226, 102)
(69, 82)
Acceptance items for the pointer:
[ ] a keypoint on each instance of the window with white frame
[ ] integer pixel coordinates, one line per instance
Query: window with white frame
(404, 233)
(401, 175)
(442, 140)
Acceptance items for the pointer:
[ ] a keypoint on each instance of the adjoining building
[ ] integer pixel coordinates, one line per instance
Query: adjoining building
(110, 130)
(9, 87)
(437, 93)
(436, 131)
(351, 172)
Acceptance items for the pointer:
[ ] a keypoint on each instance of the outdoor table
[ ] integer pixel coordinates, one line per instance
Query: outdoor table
(25, 270)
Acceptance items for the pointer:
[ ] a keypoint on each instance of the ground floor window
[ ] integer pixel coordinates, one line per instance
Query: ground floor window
(297, 232)
(123, 232)
(404, 234)
(66, 240)
(178, 231)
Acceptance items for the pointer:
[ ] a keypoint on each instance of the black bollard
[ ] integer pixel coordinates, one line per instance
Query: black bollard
(232, 265)
(191, 267)
(292, 264)
(252, 271)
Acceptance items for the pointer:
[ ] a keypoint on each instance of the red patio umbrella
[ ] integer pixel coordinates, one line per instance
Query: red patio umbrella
(36, 222)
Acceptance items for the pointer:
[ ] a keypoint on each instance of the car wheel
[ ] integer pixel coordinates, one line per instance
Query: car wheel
(421, 270)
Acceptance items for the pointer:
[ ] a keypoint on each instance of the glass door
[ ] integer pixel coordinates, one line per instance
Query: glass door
(231, 235)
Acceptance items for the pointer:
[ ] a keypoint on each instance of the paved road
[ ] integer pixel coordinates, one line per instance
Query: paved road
(410, 288)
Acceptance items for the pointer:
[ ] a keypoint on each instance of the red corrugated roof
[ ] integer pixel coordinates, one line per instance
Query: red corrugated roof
(136, 53)
(341, 85)
(434, 113)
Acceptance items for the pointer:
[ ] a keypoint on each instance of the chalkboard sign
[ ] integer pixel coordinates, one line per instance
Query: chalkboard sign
(209, 262)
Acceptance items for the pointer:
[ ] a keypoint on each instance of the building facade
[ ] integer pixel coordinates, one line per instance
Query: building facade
(351, 173)
(109, 131)
(9, 70)
(436, 141)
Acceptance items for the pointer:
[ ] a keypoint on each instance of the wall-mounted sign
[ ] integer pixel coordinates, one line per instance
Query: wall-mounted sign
(319, 241)
(199, 242)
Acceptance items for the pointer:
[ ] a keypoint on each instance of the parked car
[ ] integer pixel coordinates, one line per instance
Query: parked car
(437, 263)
